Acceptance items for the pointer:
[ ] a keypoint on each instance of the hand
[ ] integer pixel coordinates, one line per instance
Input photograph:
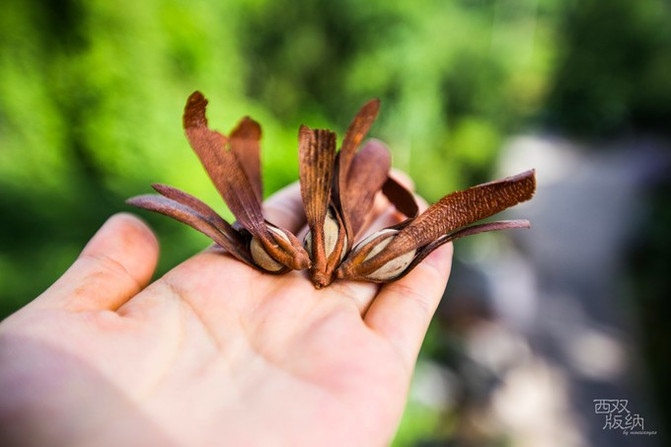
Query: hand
(212, 353)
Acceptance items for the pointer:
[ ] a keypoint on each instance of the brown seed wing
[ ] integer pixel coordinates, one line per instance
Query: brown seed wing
(197, 205)
(452, 212)
(223, 168)
(244, 143)
(231, 242)
(356, 132)
(316, 151)
(368, 172)
(465, 207)
(400, 197)
(468, 231)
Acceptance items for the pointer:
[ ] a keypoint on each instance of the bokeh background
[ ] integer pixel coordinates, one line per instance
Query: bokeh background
(534, 325)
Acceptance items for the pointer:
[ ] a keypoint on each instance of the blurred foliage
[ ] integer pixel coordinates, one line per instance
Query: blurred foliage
(649, 263)
(613, 71)
(91, 96)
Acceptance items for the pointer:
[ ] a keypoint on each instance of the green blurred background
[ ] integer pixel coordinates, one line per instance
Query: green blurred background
(91, 96)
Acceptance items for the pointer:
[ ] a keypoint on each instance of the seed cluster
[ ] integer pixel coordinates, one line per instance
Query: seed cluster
(338, 188)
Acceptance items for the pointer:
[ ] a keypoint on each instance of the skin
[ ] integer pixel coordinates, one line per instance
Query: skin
(214, 352)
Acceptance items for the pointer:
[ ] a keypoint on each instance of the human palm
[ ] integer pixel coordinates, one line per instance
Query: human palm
(212, 353)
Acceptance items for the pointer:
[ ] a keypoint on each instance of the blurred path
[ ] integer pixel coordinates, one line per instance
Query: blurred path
(582, 320)
(549, 323)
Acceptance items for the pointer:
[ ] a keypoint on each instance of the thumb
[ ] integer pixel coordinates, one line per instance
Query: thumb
(113, 267)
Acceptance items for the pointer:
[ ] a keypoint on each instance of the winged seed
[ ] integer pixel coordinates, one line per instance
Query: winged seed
(261, 256)
(331, 233)
(392, 268)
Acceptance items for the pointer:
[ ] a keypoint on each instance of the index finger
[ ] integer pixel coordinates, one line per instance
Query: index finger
(403, 309)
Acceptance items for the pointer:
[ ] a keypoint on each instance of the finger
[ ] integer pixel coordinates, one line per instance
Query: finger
(363, 293)
(114, 266)
(403, 309)
(285, 208)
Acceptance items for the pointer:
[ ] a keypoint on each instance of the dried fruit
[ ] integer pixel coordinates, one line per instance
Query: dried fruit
(234, 167)
(389, 256)
(338, 190)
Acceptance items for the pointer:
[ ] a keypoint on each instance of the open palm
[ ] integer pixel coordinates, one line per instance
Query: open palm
(212, 353)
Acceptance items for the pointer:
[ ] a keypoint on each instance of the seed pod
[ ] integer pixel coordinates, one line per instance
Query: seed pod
(373, 245)
(363, 172)
(338, 191)
(261, 257)
(442, 222)
(326, 240)
(332, 237)
(232, 178)
(233, 165)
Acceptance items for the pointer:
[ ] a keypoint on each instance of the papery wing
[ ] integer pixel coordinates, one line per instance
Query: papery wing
(368, 172)
(244, 143)
(316, 150)
(463, 208)
(468, 231)
(185, 214)
(356, 132)
(453, 212)
(223, 168)
(400, 197)
(196, 205)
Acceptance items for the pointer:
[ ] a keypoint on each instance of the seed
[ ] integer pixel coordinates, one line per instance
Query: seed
(261, 256)
(331, 234)
(392, 268)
